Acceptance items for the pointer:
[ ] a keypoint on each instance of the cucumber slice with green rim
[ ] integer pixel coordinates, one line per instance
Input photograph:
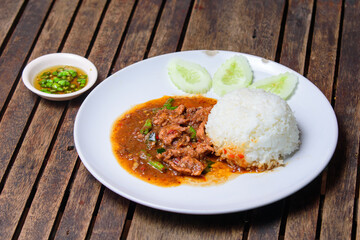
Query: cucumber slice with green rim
(189, 77)
(233, 74)
(283, 84)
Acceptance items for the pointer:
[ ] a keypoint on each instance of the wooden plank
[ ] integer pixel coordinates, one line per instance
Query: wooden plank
(322, 60)
(52, 185)
(36, 144)
(14, 119)
(137, 38)
(155, 224)
(26, 167)
(8, 12)
(170, 26)
(202, 34)
(111, 217)
(265, 223)
(23, 101)
(19, 45)
(76, 218)
(304, 205)
(241, 32)
(296, 35)
(84, 26)
(303, 212)
(138, 35)
(338, 209)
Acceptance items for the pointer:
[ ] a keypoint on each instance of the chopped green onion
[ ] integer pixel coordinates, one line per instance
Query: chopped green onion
(160, 150)
(193, 133)
(146, 156)
(147, 127)
(157, 165)
(168, 104)
(208, 166)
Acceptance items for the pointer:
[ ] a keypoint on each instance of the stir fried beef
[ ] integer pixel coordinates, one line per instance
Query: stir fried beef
(180, 132)
(187, 165)
(169, 133)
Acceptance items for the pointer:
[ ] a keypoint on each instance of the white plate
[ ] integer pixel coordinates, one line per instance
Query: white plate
(148, 80)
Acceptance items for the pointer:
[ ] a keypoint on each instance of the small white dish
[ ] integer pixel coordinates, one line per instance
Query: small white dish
(57, 59)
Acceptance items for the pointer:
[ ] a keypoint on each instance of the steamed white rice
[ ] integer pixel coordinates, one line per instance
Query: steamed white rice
(253, 128)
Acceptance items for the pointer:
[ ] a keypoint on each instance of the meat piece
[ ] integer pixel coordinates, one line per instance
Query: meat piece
(168, 133)
(187, 166)
(200, 133)
(180, 109)
(161, 117)
(178, 153)
(165, 117)
(204, 149)
(200, 115)
(183, 141)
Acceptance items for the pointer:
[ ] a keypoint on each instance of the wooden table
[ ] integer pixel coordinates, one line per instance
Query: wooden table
(46, 192)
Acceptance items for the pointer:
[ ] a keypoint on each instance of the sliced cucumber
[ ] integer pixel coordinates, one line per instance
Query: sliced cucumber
(233, 74)
(283, 84)
(189, 77)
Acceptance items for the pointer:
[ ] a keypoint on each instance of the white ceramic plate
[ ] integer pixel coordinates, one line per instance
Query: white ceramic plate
(148, 80)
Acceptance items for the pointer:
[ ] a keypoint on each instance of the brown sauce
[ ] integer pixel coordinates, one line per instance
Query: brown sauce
(127, 147)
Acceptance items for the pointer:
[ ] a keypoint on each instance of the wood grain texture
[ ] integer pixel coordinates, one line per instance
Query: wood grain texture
(19, 45)
(51, 188)
(26, 167)
(139, 33)
(265, 222)
(110, 33)
(296, 34)
(303, 212)
(304, 205)
(84, 26)
(232, 25)
(111, 217)
(154, 224)
(23, 101)
(53, 115)
(78, 212)
(338, 210)
(323, 53)
(169, 31)
(8, 15)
